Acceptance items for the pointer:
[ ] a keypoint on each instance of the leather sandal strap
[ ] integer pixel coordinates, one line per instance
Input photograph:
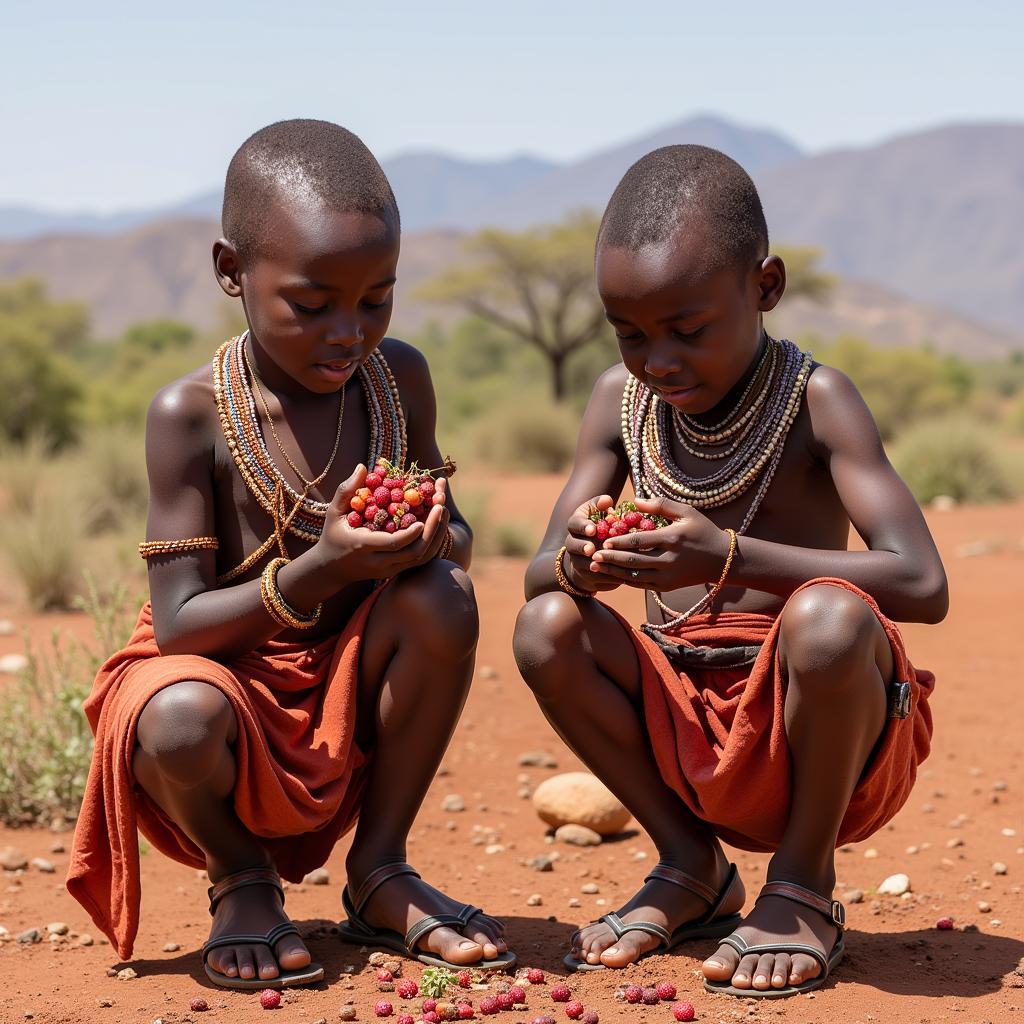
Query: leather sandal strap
(431, 921)
(731, 877)
(620, 928)
(829, 908)
(667, 873)
(240, 879)
(376, 878)
(743, 948)
(240, 939)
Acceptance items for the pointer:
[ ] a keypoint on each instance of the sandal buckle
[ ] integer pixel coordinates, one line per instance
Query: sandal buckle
(838, 914)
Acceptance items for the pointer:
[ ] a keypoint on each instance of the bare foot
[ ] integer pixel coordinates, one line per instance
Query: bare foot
(658, 901)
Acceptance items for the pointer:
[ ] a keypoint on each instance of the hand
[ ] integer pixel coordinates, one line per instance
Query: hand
(351, 553)
(689, 551)
(580, 547)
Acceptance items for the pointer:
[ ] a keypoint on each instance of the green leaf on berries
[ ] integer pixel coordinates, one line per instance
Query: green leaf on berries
(436, 981)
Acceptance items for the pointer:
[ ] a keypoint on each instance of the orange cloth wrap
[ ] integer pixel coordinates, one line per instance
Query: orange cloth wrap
(719, 737)
(300, 773)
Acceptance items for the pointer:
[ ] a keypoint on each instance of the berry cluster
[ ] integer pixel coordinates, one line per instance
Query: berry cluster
(574, 1009)
(651, 995)
(392, 499)
(624, 518)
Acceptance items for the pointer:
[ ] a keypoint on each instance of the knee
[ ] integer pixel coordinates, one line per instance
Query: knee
(828, 633)
(437, 605)
(545, 629)
(184, 729)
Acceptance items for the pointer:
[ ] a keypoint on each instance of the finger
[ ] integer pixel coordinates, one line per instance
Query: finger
(346, 489)
(642, 540)
(663, 507)
(432, 525)
(385, 542)
(636, 577)
(440, 490)
(627, 559)
(579, 547)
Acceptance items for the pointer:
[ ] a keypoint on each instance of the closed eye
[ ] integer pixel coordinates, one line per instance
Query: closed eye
(309, 310)
(689, 335)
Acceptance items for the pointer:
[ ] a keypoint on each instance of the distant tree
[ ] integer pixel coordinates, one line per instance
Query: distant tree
(159, 335)
(803, 278)
(538, 285)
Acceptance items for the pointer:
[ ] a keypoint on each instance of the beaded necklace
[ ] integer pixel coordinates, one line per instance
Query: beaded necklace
(240, 421)
(749, 441)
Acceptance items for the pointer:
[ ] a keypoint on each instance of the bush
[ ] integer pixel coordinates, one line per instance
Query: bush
(45, 737)
(114, 489)
(537, 437)
(950, 455)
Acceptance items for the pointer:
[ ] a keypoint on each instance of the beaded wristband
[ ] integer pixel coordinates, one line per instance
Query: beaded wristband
(563, 581)
(449, 543)
(280, 611)
(153, 548)
(680, 617)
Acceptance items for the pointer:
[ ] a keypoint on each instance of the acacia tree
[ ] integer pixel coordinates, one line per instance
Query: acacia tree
(537, 284)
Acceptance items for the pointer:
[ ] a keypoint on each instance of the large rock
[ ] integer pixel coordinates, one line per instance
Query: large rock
(577, 798)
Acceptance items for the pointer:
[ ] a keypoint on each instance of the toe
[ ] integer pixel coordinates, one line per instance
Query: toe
(803, 969)
(628, 949)
(744, 972)
(292, 954)
(454, 946)
(484, 940)
(246, 965)
(223, 961)
(266, 965)
(721, 965)
(780, 973)
(763, 972)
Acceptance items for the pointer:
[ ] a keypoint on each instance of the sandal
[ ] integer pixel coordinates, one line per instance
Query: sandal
(358, 932)
(832, 909)
(229, 883)
(710, 926)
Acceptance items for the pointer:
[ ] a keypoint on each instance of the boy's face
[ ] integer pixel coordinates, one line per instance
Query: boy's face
(318, 297)
(687, 332)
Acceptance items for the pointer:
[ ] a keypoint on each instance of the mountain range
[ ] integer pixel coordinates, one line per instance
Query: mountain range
(933, 217)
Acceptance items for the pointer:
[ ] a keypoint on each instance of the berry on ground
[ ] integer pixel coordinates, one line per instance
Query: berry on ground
(505, 1000)
(590, 1017)
(651, 996)
(944, 924)
(198, 1005)
(407, 988)
(447, 1011)
(543, 1020)
(465, 1011)
(429, 1004)
(518, 994)
(383, 1009)
(666, 990)
(634, 994)
(574, 1010)
(489, 1005)
(465, 979)
(270, 999)
(561, 994)
(683, 1011)
(535, 976)
(406, 1018)
(432, 1017)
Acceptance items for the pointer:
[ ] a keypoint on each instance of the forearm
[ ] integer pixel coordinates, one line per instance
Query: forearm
(462, 544)
(907, 589)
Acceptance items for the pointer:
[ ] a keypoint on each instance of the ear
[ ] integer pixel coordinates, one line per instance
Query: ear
(771, 283)
(227, 267)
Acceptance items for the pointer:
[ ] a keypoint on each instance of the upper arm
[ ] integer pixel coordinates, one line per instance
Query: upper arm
(179, 461)
(599, 465)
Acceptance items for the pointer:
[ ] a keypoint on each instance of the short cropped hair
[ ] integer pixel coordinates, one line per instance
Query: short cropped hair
(679, 186)
(307, 161)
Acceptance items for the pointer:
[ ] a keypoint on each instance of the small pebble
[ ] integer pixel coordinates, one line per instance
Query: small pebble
(537, 759)
(590, 889)
(984, 906)
(29, 936)
(171, 947)
(57, 847)
(999, 868)
(57, 928)
(41, 864)
(1009, 832)
(105, 1002)
(542, 862)
(871, 853)
(453, 803)
(853, 896)
(574, 902)
(85, 939)
(577, 835)
(895, 885)
(535, 900)
(347, 1012)
(12, 859)
(128, 974)
(318, 876)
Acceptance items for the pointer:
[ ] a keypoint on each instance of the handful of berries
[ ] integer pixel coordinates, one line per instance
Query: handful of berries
(624, 518)
(393, 499)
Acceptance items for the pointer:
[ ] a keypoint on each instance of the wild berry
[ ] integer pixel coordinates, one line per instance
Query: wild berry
(560, 993)
(385, 976)
(505, 1000)
(651, 997)
(427, 489)
(683, 1011)
(412, 496)
(383, 1009)
(370, 512)
(618, 529)
(373, 481)
(356, 503)
(447, 1011)
(432, 1017)
(199, 1005)
(634, 994)
(590, 1017)
(407, 520)
(270, 999)
(633, 518)
(465, 979)
(648, 524)
(574, 1010)
(666, 990)
(944, 924)
(407, 988)
(518, 994)
(406, 1018)
(465, 1011)
(429, 1004)
(391, 526)
(382, 495)
(535, 976)
(380, 518)
(355, 519)
(489, 1005)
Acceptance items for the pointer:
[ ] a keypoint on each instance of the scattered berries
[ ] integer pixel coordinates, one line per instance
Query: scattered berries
(666, 990)
(574, 1010)
(447, 1011)
(465, 1011)
(543, 1020)
(489, 1005)
(683, 1011)
(198, 1005)
(944, 924)
(270, 999)
(634, 994)
(561, 994)
(518, 994)
(590, 1017)
(407, 988)
(465, 979)
(385, 986)
(505, 1000)
(535, 976)
(383, 1009)
(429, 1004)
(651, 997)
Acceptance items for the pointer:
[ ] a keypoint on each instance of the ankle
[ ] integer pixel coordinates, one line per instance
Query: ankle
(817, 876)
(705, 860)
(360, 863)
(218, 868)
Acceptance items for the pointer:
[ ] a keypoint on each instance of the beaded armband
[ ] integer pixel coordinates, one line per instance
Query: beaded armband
(153, 548)
(563, 581)
(280, 611)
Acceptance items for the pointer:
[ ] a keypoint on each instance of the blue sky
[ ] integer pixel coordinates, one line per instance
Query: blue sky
(114, 105)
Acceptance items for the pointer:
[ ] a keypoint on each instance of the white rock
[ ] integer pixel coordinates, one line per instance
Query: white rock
(578, 798)
(534, 900)
(57, 928)
(41, 864)
(318, 876)
(171, 947)
(11, 664)
(453, 803)
(999, 868)
(943, 502)
(577, 835)
(895, 885)
(12, 859)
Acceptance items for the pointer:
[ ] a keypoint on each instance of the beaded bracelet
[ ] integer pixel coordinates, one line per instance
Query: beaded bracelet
(563, 581)
(449, 543)
(678, 618)
(280, 611)
(153, 548)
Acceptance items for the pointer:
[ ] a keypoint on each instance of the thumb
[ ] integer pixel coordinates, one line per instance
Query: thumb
(660, 507)
(346, 489)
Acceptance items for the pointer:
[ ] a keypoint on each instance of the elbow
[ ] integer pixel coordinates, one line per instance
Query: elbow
(932, 597)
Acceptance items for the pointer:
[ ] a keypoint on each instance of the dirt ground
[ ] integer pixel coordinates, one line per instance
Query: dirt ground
(960, 839)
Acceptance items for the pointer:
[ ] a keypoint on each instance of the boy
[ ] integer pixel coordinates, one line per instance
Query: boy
(757, 705)
(262, 700)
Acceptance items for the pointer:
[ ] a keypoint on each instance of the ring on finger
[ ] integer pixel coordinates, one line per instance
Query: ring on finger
(635, 574)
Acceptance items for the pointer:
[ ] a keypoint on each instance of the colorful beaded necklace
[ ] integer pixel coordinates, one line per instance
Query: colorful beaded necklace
(243, 433)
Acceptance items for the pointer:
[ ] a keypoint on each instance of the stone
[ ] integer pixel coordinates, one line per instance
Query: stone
(853, 896)
(895, 885)
(590, 889)
(574, 902)
(12, 859)
(578, 798)
(537, 759)
(57, 847)
(41, 864)
(999, 868)
(542, 862)
(871, 853)
(85, 939)
(347, 1012)
(488, 672)
(57, 928)
(12, 664)
(577, 835)
(535, 900)
(171, 947)
(984, 906)
(128, 974)
(318, 876)
(453, 803)
(105, 1002)
(29, 936)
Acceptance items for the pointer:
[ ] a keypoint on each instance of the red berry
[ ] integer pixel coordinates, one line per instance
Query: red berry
(574, 1010)
(355, 519)
(373, 481)
(505, 1001)
(535, 976)
(407, 520)
(199, 1005)
(618, 529)
(561, 994)
(397, 483)
(666, 990)
(465, 979)
(465, 1011)
(407, 988)
(683, 1011)
(427, 489)
(590, 1017)
(518, 994)
(397, 494)
(390, 526)
(383, 975)
(633, 518)
(651, 996)
(406, 1018)
(944, 924)
(270, 999)
(432, 1017)
(383, 1009)
(429, 1004)
(489, 1005)
(648, 524)
(370, 512)
(602, 529)
(633, 994)
(543, 1020)
(382, 495)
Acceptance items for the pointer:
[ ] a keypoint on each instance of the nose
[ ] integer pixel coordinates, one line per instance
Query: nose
(346, 330)
(662, 360)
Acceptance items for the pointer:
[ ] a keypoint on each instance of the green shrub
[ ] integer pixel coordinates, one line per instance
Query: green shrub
(531, 437)
(951, 455)
(111, 470)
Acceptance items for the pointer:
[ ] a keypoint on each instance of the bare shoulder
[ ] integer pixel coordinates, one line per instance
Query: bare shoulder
(838, 415)
(184, 411)
(604, 410)
(407, 362)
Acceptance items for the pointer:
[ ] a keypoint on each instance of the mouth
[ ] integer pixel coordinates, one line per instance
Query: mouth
(336, 369)
(675, 395)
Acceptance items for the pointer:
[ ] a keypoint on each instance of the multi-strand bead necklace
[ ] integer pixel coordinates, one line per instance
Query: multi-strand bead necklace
(234, 382)
(748, 441)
